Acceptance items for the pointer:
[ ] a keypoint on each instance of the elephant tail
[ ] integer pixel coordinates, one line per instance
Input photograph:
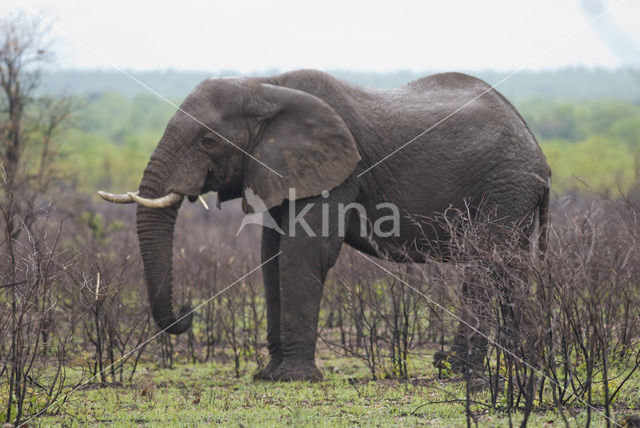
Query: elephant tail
(543, 221)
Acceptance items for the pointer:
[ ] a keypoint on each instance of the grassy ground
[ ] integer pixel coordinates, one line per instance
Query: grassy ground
(209, 394)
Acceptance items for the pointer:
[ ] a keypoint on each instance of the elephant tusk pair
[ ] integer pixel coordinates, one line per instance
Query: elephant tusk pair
(131, 197)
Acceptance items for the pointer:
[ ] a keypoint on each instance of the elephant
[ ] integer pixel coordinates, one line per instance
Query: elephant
(444, 141)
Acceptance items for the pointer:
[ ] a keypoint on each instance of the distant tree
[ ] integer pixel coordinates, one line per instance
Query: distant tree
(27, 123)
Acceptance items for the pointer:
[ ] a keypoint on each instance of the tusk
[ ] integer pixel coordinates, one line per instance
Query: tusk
(122, 198)
(162, 202)
(203, 202)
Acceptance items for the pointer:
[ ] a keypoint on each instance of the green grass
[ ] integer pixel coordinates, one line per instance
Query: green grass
(208, 394)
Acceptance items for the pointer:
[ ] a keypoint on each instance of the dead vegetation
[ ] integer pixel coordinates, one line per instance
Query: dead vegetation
(561, 332)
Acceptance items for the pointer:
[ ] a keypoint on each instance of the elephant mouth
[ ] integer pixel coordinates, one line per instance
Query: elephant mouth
(211, 183)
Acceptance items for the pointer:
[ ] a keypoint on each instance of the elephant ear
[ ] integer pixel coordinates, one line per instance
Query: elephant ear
(303, 139)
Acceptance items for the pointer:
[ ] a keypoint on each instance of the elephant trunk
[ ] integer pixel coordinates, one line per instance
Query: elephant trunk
(155, 234)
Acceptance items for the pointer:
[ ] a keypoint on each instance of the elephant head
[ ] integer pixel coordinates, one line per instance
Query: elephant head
(229, 135)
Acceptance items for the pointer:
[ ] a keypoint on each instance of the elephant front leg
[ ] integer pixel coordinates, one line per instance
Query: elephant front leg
(301, 277)
(270, 247)
(303, 265)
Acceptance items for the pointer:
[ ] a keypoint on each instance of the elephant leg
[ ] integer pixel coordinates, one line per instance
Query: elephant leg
(270, 247)
(304, 264)
(470, 346)
(470, 342)
(519, 327)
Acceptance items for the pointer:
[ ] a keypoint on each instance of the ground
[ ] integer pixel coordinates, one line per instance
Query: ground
(209, 394)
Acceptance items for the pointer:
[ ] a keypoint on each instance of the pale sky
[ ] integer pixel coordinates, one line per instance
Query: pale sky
(387, 35)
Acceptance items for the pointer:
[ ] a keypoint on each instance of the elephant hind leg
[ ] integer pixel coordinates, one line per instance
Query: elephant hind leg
(508, 231)
(470, 342)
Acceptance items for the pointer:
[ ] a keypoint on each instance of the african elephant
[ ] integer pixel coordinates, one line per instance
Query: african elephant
(446, 140)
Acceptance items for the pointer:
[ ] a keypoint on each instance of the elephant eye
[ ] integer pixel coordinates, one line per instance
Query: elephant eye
(209, 142)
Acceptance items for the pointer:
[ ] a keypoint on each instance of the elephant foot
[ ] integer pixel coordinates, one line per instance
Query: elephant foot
(456, 361)
(291, 370)
(460, 358)
(443, 360)
(460, 361)
(267, 372)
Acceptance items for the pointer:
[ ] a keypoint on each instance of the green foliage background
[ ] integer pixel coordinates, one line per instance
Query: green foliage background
(112, 138)
(587, 121)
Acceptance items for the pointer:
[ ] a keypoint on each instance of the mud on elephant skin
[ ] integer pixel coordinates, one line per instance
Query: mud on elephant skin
(308, 131)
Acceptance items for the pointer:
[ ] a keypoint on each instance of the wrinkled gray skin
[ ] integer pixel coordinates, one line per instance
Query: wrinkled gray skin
(319, 132)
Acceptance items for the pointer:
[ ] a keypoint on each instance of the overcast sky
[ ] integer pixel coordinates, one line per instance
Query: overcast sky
(341, 34)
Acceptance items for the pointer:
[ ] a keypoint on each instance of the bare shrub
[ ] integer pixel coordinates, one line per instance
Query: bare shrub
(377, 317)
(562, 328)
(591, 274)
(105, 288)
(555, 329)
(32, 348)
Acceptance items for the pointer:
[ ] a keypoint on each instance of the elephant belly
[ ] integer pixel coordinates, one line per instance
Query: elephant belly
(406, 242)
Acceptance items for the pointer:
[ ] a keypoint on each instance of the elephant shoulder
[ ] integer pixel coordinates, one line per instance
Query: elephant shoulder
(450, 80)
